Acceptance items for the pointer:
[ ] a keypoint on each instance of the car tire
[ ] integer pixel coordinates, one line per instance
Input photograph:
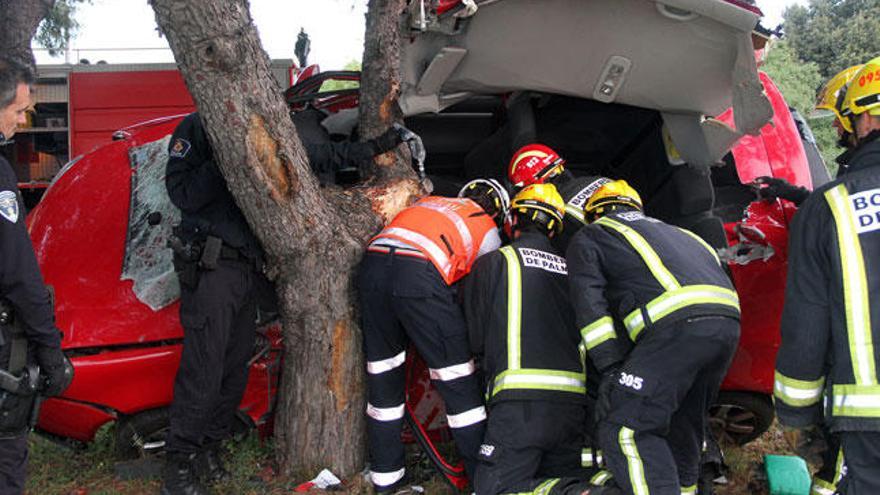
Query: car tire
(142, 435)
(740, 417)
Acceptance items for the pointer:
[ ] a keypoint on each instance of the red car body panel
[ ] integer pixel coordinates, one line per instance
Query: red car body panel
(760, 283)
(126, 354)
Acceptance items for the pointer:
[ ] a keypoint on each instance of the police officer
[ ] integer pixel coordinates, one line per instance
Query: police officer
(219, 260)
(536, 164)
(23, 291)
(407, 294)
(520, 320)
(826, 362)
(659, 318)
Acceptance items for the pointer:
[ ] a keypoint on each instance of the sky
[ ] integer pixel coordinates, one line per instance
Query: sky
(336, 28)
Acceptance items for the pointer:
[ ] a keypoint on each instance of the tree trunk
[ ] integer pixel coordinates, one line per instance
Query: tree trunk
(19, 20)
(313, 237)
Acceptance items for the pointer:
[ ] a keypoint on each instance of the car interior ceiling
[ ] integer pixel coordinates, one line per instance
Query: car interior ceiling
(477, 138)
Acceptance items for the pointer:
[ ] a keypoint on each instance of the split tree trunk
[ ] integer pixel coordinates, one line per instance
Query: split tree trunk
(19, 20)
(313, 237)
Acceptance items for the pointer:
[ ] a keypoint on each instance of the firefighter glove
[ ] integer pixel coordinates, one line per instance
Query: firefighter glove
(808, 442)
(387, 141)
(780, 188)
(56, 369)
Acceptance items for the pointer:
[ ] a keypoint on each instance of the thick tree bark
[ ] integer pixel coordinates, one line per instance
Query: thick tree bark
(313, 238)
(19, 20)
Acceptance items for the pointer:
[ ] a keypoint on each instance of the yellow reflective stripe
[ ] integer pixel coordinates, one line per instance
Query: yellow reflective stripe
(600, 478)
(797, 393)
(626, 439)
(576, 212)
(838, 467)
(597, 332)
(542, 489)
(540, 379)
(822, 487)
(861, 401)
(672, 301)
(647, 253)
(704, 243)
(855, 287)
(689, 490)
(514, 308)
(587, 459)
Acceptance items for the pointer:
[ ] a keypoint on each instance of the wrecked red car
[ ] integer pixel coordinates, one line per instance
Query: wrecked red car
(620, 88)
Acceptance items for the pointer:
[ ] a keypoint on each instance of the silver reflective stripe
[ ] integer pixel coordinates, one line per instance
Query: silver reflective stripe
(576, 212)
(597, 332)
(384, 413)
(689, 490)
(818, 489)
(587, 458)
(539, 379)
(467, 418)
(856, 401)
(456, 220)
(427, 245)
(635, 467)
(797, 393)
(600, 478)
(453, 372)
(383, 365)
(855, 287)
(514, 308)
(672, 301)
(386, 479)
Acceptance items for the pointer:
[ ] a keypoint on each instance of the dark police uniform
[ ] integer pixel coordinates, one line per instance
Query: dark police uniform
(658, 315)
(218, 302)
(22, 285)
(217, 306)
(520, 320)
(826, 362)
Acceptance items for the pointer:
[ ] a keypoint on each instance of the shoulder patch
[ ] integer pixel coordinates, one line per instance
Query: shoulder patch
(179, 148)
(9, 206)
(545, 261)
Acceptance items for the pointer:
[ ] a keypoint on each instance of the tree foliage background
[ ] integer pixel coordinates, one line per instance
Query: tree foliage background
(821, 39)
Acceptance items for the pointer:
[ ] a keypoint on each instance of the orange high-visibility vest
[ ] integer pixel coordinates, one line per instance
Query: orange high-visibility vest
(449, 231)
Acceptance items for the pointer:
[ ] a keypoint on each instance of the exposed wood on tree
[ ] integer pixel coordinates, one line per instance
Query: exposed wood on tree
(313, 237)
(19, 20)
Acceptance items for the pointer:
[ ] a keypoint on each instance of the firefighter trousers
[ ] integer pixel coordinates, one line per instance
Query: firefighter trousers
(825, 480)
(652, 435)
(861, 449)
(403, 299)
(218, 317)
(535, 447)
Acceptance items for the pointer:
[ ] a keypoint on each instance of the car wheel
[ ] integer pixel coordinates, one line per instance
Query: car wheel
(142, 435)
(740, 417)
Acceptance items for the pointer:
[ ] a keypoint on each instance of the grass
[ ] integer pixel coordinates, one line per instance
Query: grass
(60, 470)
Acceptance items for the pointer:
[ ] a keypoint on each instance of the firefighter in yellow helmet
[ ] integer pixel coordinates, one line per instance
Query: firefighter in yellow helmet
(830, 102)
(660, 319)
(521, 323)
(825, 369)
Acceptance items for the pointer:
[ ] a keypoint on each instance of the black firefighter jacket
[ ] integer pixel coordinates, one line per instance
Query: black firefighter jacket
(575, 191)
(520, 320)
(827, 362)
(630, 274)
